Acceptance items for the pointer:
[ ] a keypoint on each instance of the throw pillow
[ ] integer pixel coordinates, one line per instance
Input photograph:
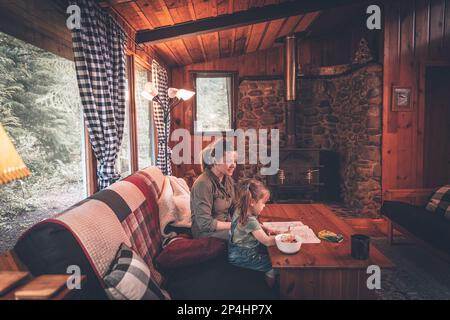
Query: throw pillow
(440, 202)
(184, 251)
(129, 278)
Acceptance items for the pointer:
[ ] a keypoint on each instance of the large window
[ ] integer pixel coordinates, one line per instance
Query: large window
(40, 109)
(214, 102)
(144, 120)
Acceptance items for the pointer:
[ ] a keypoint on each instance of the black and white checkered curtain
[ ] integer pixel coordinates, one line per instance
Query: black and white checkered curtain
(99, 51)
(161, 81)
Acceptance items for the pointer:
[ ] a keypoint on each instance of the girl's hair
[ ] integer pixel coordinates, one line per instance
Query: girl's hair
(249, 189)
(215, 151)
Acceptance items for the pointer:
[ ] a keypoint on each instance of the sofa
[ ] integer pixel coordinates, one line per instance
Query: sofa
(405, 211)
(89, 234)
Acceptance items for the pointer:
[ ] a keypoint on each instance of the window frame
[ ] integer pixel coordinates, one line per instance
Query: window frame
(234, 98)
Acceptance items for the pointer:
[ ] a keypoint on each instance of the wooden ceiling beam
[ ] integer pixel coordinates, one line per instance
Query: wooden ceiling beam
(237, 19)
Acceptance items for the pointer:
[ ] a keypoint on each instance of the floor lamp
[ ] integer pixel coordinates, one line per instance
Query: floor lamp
(175, 97)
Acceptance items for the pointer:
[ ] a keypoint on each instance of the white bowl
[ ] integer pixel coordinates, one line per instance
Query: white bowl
(287, 247)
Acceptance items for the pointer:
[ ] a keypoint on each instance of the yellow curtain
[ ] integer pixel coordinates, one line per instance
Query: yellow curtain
(11, 164)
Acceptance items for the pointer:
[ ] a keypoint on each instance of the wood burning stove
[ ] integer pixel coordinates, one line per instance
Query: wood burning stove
(305, 175)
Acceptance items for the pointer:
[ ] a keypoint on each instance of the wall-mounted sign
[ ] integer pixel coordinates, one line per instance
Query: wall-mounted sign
(401, 99)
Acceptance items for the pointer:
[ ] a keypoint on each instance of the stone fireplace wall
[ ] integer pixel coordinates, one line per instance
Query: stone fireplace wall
(261, 105)
(344, 114)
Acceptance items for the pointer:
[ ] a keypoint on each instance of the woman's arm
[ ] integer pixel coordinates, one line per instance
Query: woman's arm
(202, 200)
(201, 207)
(262, 237)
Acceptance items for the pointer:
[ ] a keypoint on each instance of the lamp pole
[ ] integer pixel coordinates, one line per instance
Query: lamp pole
(166, 113)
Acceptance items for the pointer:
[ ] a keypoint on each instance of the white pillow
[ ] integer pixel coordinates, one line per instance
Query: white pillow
(182, 201)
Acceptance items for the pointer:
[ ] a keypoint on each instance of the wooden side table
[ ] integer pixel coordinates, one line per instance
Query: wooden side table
(10, 262)
(63, 294)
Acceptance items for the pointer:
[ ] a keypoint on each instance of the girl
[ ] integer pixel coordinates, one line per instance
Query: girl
(247, 234)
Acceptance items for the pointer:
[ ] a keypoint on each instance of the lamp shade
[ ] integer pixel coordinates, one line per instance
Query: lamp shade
(184, 94)
(11, 164)
(172, 92)
(150, 91)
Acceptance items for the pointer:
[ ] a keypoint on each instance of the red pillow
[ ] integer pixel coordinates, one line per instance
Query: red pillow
(184, 251)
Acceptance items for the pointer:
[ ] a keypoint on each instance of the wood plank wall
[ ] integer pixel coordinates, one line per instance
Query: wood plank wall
(417, 34)
(39, 22)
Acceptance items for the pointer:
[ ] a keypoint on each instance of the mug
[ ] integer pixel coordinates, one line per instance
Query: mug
(360, 246)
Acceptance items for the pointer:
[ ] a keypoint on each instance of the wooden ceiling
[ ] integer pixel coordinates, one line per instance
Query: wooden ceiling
(151, 14)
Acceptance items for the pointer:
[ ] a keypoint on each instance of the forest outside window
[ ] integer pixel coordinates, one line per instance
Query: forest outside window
(40, 109)
(214, 102)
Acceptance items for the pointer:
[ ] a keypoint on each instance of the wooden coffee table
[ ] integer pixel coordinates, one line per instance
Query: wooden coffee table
(325, 270)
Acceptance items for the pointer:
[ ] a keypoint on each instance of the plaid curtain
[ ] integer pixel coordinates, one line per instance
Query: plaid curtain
(161, 81)
(99, 51)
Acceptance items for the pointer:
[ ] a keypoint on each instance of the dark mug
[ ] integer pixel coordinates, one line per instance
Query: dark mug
(360, 246)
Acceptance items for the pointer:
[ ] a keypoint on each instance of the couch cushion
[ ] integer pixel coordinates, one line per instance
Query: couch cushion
(431, 228)
(130, 278)
(217, 280)
(183, 251)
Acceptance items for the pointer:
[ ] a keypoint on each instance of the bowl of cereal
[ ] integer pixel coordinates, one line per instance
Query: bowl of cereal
(288, 243)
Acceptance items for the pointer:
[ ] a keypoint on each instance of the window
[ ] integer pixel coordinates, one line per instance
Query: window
(123, 163)
(144, 120)
(40, 108)
(214, 101)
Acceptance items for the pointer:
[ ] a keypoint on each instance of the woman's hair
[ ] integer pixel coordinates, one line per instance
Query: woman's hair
(215, 151)
(249, 189)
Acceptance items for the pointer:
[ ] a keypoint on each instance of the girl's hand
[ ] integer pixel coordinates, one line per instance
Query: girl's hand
(269, 231)
(263, 238)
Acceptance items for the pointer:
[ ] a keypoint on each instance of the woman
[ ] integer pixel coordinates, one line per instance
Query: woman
(212, 194)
